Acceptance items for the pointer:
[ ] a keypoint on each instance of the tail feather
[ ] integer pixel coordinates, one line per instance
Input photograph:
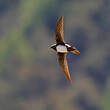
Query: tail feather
(74, 50)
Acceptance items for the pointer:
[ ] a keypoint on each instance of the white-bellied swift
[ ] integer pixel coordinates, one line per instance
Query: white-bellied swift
(62, 48)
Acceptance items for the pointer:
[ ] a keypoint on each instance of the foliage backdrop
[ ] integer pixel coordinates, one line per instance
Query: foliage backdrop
(30, 78)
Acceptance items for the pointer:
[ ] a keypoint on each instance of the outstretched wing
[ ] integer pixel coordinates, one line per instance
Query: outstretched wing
(59, 35)
(63, 63)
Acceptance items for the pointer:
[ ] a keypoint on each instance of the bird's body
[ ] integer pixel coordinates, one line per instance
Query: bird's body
(62, 48)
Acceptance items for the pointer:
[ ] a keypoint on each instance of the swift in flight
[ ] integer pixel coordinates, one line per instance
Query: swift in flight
(62, 48)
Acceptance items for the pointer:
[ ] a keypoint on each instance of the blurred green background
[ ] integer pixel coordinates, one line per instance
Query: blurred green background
(30, 77)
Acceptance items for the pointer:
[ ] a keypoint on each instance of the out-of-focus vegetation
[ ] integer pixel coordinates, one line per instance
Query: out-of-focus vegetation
(30, 77)
(106, 98)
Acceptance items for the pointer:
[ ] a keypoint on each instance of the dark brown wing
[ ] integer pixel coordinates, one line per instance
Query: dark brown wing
(63, 63)
(59, 35)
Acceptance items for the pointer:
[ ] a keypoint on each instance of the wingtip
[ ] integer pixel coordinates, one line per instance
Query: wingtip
(61, 18)
(70, 81)
(68, 77)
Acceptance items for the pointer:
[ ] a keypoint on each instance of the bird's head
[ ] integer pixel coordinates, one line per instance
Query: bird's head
(53, 47)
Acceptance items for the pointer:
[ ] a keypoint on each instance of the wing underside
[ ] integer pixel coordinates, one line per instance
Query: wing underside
(59, 34)
(64, 65)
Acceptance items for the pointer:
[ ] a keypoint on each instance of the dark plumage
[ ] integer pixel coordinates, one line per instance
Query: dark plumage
(62, 48)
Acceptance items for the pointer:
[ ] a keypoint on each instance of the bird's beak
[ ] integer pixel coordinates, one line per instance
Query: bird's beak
(51, 47)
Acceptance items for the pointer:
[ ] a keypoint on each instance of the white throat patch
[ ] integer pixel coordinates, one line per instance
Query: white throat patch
(61, 49)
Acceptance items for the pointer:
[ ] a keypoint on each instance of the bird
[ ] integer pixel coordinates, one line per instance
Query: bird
(63, 48)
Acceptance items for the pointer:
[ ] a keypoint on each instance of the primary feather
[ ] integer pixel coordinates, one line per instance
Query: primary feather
(64, 65)
(59, 35)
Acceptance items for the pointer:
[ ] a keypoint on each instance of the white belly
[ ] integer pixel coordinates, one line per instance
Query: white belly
(61, 49)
